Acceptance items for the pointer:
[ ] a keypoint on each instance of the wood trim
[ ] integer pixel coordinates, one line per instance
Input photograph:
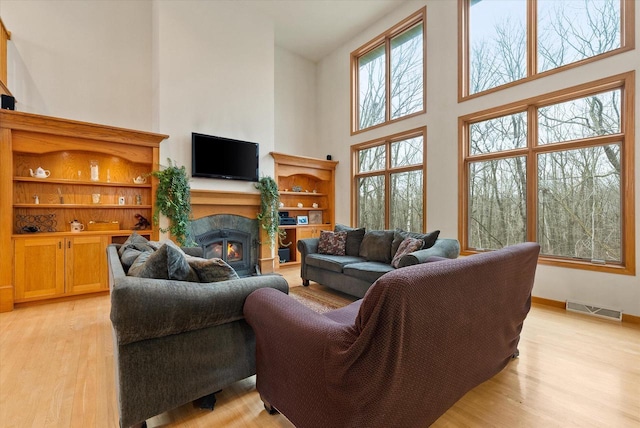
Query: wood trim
(52, 125)
(627, 43)
(626, 318)
(6, 216)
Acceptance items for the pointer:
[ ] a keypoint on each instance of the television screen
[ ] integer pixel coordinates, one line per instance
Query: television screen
(218, 157)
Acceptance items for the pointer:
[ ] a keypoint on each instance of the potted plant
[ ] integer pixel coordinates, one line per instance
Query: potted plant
(268, 216)
(173, 199)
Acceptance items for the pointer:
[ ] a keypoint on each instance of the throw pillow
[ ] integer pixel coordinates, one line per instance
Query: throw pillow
(429, 239)
(167, 262)
(354, 238)
(376, 246)
(133, 239)
(408, 245)
(131, 253)
(212, 270)
(333, 243)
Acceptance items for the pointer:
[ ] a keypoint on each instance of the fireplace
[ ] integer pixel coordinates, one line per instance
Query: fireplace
(231, 238)
(229, 245)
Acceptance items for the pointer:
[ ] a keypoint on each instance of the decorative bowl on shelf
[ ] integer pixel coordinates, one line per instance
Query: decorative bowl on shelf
(139, 180)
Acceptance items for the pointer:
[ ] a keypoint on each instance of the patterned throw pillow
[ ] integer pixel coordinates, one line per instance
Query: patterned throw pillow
(333, 243)
(408, 245)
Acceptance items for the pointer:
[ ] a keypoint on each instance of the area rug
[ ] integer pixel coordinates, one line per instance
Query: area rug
(320, 301)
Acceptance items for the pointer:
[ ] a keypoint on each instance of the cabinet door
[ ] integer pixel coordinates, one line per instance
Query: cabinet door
(304, 233)
(39, 268)
(86, 264)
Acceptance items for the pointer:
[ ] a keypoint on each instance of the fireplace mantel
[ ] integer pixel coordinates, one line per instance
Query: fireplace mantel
(247, 204)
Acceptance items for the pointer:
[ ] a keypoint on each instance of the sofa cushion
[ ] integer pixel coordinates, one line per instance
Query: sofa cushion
(131, 253)
(367, 271)
(168, 262)
(333, 243)
(332, 263)
(408, 245)
(211, 270)
(354, 238)
(376, 246)
(429, 239)
(134, 241)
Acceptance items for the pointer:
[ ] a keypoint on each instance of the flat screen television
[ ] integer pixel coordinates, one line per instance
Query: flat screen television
(218, 157)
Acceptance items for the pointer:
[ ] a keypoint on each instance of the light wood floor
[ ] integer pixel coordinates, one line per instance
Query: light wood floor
(56, 370)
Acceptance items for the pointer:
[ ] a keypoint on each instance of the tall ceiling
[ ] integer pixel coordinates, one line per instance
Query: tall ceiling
(315, 28)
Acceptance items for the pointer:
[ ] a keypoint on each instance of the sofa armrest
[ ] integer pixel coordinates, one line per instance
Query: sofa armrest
(445, 248)
(306, 246)
(143, 308)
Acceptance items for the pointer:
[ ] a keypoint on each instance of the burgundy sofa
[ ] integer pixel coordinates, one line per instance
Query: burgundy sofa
(421, 338)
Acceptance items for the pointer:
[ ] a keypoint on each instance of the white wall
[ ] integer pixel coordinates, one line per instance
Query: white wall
(82, 60)
(608, 290)
(215, 75)
(295, 103)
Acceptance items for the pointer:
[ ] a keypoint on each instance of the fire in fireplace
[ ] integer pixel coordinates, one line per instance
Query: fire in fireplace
(231, 245)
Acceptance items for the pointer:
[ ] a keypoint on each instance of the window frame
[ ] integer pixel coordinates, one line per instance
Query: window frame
(626, 137)
(385, 39)
(388, 171)
(627, 43)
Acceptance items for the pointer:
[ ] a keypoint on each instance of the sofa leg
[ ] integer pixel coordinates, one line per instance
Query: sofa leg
(305, 282)
(208, 401)
(515, 354)
(268, 407)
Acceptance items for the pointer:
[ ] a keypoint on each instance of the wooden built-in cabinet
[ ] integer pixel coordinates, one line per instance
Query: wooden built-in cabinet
(306, 181)
(40, 256)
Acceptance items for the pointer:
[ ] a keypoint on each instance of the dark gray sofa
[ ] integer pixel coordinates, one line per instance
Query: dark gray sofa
(177, 341)
(354, 274)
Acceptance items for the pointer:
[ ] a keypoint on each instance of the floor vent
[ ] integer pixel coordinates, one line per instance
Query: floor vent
(610, 314)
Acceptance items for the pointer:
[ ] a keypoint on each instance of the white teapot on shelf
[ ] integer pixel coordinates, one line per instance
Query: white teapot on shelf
(40, 173)
(139, 180)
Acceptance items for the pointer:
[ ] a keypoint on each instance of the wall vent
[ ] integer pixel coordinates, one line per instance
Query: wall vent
(610, 314)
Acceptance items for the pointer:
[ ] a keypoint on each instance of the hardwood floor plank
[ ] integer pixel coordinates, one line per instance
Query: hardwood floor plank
(57, 370)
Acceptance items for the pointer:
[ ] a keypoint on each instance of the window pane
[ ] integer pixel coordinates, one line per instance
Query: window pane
(502, 133)
(579, 211)
(371, 83)
(407, 152)
(407, 72)
(572, 30)
(372, 159)
(581, 118)
(371, 202)
(497, 203)
(406, 201)
(497, 41)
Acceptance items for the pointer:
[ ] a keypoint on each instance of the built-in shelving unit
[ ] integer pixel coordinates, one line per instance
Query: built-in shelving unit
(314, 183)
(40, 256)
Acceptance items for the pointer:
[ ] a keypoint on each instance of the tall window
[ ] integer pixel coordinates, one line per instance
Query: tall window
(556, 169)
(388, 75)
(505, 42)
(389, 182)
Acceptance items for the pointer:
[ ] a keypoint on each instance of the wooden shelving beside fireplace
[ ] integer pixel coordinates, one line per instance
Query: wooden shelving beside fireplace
(307, 188)
(36, 209)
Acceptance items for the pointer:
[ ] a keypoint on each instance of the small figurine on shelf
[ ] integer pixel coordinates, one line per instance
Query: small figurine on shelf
(37, 199)
(142, 223)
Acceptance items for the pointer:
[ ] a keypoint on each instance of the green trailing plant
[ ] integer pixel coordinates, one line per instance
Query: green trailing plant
(268, 216)
(173, 199)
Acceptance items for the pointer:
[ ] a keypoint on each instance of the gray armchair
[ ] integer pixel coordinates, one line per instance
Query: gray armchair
(177, 341)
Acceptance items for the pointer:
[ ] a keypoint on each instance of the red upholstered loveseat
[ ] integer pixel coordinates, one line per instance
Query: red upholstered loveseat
(419, 340)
